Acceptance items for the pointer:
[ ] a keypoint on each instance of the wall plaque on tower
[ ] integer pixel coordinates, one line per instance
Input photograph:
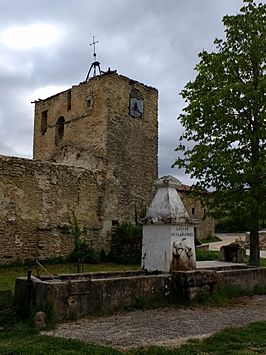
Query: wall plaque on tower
(136, 104)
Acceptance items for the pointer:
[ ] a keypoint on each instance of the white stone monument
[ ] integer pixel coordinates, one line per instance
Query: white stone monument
(168, 234)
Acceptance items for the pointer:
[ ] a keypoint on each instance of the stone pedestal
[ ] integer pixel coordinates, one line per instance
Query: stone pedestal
(233, 252)
(168, 235)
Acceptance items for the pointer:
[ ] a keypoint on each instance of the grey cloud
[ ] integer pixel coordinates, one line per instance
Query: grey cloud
(155, 42)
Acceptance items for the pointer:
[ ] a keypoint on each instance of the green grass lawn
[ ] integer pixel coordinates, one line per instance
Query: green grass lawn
(237, 341)
(8, 275)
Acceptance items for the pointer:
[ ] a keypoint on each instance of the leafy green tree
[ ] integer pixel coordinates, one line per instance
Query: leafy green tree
(224, 143)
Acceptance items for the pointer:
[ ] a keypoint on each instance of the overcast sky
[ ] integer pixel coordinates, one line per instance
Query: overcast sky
(45, 49)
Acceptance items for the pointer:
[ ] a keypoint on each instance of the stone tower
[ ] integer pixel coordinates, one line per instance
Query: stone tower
(108, 123)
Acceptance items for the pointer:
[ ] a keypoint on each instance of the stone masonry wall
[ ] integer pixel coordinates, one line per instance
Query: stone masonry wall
(83, 141)
(132, 145)
(34, 201)
(204, 226)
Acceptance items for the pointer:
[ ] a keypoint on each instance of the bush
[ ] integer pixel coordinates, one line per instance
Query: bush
(126, 244)
(84, 254)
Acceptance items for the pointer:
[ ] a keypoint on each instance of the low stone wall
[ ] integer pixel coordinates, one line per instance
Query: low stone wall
(78, 295)
(245, 279)
(192, 284)
(72, 298)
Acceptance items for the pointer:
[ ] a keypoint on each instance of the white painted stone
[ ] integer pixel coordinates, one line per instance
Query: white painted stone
(168, 236)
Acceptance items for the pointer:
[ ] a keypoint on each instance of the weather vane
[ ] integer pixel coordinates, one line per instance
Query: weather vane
(95, 65)
(93, 44)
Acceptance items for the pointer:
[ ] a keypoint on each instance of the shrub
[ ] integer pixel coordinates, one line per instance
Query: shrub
(126, 244)
(82, 253)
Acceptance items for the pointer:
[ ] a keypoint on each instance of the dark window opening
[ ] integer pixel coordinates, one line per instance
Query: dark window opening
(69, 100)
(44, 121)
(59, 129)
(193, 210)
(195, 233)
(90, 103)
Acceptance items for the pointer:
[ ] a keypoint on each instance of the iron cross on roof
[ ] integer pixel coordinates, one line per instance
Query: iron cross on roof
(95, 65)
(93, 44)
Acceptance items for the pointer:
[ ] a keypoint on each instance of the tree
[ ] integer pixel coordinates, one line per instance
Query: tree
(224, 142)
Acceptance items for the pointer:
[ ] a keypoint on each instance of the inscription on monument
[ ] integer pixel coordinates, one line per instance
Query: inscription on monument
(181, 231)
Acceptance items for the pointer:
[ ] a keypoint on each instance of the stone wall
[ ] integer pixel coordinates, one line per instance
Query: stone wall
(35, 198)
(132, 145)
(82, 141)
(244, 279)
(204, 226)
(75, 296)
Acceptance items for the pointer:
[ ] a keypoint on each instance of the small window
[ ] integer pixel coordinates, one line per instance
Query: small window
(195, 232)
(89, 102)
(68, 100)
(193, 210)
(44, 121)
(59, 129)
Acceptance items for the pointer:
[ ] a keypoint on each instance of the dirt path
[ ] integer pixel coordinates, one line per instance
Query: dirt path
(168, 326)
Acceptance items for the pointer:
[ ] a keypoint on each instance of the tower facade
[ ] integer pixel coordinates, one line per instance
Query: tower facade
(108, 123)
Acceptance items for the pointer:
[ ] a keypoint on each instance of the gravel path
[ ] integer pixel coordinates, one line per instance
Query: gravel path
(168, 326)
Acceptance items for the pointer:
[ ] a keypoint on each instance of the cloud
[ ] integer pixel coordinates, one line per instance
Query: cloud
(154, 42)
(30, 36)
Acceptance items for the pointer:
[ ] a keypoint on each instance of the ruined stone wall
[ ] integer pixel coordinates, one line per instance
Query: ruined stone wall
(34, 201)
(204, 226)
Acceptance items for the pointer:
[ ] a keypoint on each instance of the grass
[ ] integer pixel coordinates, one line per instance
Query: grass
(210, 239)
(203, 255)
(231, 341)
(8, 274)
(22, 340)
(263, 262)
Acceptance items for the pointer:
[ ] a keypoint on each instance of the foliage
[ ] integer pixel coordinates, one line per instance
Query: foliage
(223, 146)
(126, 243)
(82, 253)
(231, 224)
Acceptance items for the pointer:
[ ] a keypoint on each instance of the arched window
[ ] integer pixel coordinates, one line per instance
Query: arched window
(59, 129)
